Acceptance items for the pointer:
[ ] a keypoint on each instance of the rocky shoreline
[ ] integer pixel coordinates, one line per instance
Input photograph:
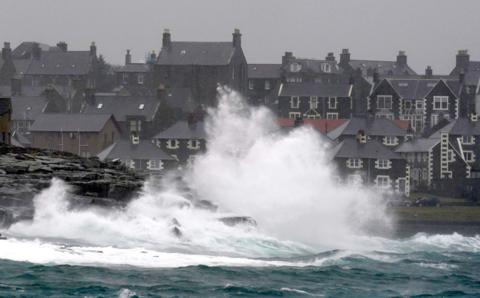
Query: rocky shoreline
(25, 172)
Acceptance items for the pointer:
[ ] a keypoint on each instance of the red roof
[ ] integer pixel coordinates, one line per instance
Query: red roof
(403, 124)
(322, 125)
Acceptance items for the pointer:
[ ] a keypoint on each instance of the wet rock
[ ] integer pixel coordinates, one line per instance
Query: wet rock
(238, 220)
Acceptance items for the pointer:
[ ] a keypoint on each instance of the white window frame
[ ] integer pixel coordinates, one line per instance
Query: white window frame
(390, 140)
(313, 102)
(440, 103)
(140, 78)
(355, 163)
(434, 119)
(409, 102)
(130, 163)
(383, 99)
(470, 154)
(193, 144)
(383, 181)
(267, 85)
(383, 164)
(294, 102)
(419, 104)
(294, 115)
(173, 144)
(468, 140)
(334, 105)
(250, 84)
(326, 67)
(332, 116)
(155, 164)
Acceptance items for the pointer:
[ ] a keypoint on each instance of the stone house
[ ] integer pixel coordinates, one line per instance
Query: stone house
(202, 66)
(136, 74)
(263, 83)
(469, 73)
(82, 134)
(5, 118)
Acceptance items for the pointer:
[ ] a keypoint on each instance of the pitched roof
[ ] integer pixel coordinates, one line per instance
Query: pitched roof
(322, 125)
(197, 53)
(416, 88)
(180, 98)
(27, 107)
(316, 89)
(123, 106)
(460, 127)
(5, 105)
(181, 130)
(264, 71)
(351, 148)
(133, 67)
(418, 145)
(61, 63)
(124, 149)
(313, 65)
(70, 122)
(25, 48)
(373, 127)
(384, 68)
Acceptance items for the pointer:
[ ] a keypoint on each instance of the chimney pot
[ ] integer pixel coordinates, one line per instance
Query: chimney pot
(167, 39)
(128, 58)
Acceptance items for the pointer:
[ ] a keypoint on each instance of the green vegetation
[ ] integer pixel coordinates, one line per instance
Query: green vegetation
(451, 214)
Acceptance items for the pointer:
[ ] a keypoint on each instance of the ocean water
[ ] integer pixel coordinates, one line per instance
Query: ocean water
(305, 233)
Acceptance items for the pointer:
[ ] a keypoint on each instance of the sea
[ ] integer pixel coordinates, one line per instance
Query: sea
(260, 213)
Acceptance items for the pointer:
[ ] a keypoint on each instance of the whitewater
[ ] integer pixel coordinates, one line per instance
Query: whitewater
(284, 180)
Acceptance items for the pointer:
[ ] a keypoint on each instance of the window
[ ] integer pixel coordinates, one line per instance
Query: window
(468, 140)
(469, 156)
(450, 156)
(99, 106)
(419, 104)
(354, 163)
(390, 141)
(408, 104)
(383, 181)
(354, 179)
(383, 164)
(294, 102)
(434, 119)
(140, 78)
(326, 67)
(295, 67)
(440, 102)
(155, 164)
(193, 144)
(141, 106)
(172, 144)
(294, 115)
(313, 102)
(135, 125)
(332, 115)
(384, 101)
(129, 163)
(250, 84)
(267, 85)
(125, 78)
(294, 80)
(332, 103)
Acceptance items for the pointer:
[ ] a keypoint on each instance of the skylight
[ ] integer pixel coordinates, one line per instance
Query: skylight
(141, 106)
(100, 105)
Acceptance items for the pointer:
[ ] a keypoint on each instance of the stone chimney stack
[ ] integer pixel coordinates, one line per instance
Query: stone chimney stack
(287, 58)
(62, 46)
(462, 60)
(128, 58)
(402, 58)
(36, 51)
(237, 38)
(93, 49)
(167, 40)
(330, 57)
(376, 76)
(6, 51)
(344, 57)
(428, 72)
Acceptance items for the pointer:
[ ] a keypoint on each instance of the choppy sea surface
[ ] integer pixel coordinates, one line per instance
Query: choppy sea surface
(445, 266)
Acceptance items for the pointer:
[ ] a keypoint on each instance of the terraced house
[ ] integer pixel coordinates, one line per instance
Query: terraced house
(315, 101)
(302, 70)
(421, 102)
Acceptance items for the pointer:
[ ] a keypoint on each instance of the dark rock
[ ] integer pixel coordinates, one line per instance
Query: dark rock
(238, 220)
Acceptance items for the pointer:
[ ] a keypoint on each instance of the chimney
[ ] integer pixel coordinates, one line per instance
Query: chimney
(473, 117)
(361, 137)
(330, 57)
(376, 76)
(428, 72)
(153, 57)
(461, 77)
(167, 40)
(161, 92)
(36, 51)
(16, 86)
(462, 61)
(6, 51)
(90, 95)
(402, 58)
(93, 49)
(344, 57)
(237, 38)
(62, 46)
(287, 58)
(128, 58)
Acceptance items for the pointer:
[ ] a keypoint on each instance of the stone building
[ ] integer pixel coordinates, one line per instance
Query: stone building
(264, 81)
(5, 118)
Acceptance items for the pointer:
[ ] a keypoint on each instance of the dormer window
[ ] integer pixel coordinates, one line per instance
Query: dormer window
(173, 144)
(390, 141)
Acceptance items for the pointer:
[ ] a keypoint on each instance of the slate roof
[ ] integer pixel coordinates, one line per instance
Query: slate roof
(65, 91)
(351, 148)
(420, 88)
(460, 126)
(123, 106)
(25, 48)
(124, 149)
(5, 105)
(27, 107)
(313, 65)
(197, 53)
(316, 89)
(372, 127)
(180, 98)
(61, 63)
(133, 67)
(70, 122)
(384, 68)
(264, 71)
(418, 145)
(181, 130)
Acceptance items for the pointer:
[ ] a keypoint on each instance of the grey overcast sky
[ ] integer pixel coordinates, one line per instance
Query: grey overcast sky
(431, 31)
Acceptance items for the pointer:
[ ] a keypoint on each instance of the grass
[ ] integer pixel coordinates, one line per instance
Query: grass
(453, 214)
(443, 200)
